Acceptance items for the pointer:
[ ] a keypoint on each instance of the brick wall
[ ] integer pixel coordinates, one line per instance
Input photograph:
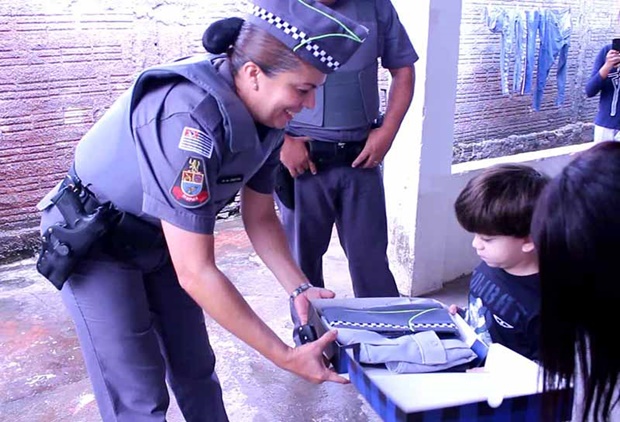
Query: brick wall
(62, 63)
(489, 124)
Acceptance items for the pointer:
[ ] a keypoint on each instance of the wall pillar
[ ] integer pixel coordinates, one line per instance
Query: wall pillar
(419, 164)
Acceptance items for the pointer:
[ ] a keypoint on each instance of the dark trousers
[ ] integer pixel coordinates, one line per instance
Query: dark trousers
(137, 327)
(354, 200)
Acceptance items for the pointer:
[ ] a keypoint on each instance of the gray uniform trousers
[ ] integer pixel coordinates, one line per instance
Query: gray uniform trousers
(354, 200)
(137, 327)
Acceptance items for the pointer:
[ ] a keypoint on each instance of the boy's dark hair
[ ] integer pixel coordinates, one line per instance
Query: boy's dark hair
(500, 200)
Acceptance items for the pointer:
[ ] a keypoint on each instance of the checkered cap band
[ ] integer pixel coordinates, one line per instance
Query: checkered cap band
(381, 325)
(295, 34)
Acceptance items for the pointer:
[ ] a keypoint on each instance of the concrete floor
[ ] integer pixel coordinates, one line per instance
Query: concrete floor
(43, 378)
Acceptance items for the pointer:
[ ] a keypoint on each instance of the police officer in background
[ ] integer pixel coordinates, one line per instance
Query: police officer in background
(335, 149)
(166, 157)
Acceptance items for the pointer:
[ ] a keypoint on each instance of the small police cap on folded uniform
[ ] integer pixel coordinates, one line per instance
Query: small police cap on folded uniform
(320, 36)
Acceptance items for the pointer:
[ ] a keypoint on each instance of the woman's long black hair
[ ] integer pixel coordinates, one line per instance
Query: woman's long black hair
(576, 230)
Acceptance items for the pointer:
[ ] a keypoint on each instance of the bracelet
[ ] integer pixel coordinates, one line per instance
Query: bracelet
(302, 288)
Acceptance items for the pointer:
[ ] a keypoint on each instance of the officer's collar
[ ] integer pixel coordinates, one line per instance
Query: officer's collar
(262, 132)
(242, 131)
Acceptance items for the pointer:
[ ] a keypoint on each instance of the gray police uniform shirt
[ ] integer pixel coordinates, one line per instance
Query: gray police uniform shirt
(348, 102)
(187, 148)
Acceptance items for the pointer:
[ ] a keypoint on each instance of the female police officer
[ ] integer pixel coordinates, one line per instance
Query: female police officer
(168, 155)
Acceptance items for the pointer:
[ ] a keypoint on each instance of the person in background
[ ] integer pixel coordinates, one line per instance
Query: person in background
(139, 205)
(576, 231)
(504, 291)
(334, 152)
(605, 80)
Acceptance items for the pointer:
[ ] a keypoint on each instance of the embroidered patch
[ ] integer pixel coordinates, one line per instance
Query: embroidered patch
(191, 187)
(194, 140)
(234, 178)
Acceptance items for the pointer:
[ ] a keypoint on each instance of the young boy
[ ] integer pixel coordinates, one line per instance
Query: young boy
(504, 291)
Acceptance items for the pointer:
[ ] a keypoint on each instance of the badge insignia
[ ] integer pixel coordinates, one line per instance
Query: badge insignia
(195, 140)
(191, 187)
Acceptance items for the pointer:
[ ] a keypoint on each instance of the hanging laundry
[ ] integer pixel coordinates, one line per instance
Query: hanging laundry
(500, 20)
(556, 29)
(519, 29)
(532, 20)
(521, 33)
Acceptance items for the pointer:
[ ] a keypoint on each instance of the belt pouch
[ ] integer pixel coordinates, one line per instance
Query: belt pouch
(131, 235)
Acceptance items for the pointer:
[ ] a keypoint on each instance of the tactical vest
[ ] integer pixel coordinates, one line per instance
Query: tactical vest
(350, 97)
(111, 140)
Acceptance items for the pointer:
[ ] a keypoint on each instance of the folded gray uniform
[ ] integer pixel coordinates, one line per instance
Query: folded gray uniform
(392, 320)
(413, 353)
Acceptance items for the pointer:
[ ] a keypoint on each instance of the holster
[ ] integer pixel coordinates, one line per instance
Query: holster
(285, 186)
(87, 222)
(63, 245)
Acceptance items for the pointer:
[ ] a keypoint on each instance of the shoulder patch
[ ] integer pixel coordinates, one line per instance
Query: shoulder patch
(195, 140)
(191, 187)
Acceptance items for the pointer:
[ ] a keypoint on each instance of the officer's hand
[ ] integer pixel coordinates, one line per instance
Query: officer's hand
(377, 145)
(294, 155)
(302, 301)
(453, 309)
(307, 360)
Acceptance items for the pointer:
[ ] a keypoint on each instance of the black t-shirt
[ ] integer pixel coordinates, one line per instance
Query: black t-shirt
(505, 309)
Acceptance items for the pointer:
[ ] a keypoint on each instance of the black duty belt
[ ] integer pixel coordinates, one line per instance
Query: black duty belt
(334, 153)
(89, 222)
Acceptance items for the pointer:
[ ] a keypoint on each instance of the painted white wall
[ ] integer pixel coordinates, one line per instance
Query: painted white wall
(459, 257)
(427, 247)
(419, 164)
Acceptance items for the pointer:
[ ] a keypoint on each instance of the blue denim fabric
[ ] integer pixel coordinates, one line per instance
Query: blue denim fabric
(556, 29)
(533, 22)
(518, 29)
(500, 21)
(520, 43)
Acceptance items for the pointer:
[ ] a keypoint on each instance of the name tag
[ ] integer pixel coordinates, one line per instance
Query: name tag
(235, 178)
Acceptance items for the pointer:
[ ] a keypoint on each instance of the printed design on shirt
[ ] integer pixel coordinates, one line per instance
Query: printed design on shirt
(195, 140)
(615, 80)
(502, 323)
(491, 307)
(191, 187)
(476, 318)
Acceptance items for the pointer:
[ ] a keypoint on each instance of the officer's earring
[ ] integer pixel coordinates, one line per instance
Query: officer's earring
(255, 85)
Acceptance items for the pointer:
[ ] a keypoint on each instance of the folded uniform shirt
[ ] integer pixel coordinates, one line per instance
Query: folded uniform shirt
(392, 320)
(413, 353)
